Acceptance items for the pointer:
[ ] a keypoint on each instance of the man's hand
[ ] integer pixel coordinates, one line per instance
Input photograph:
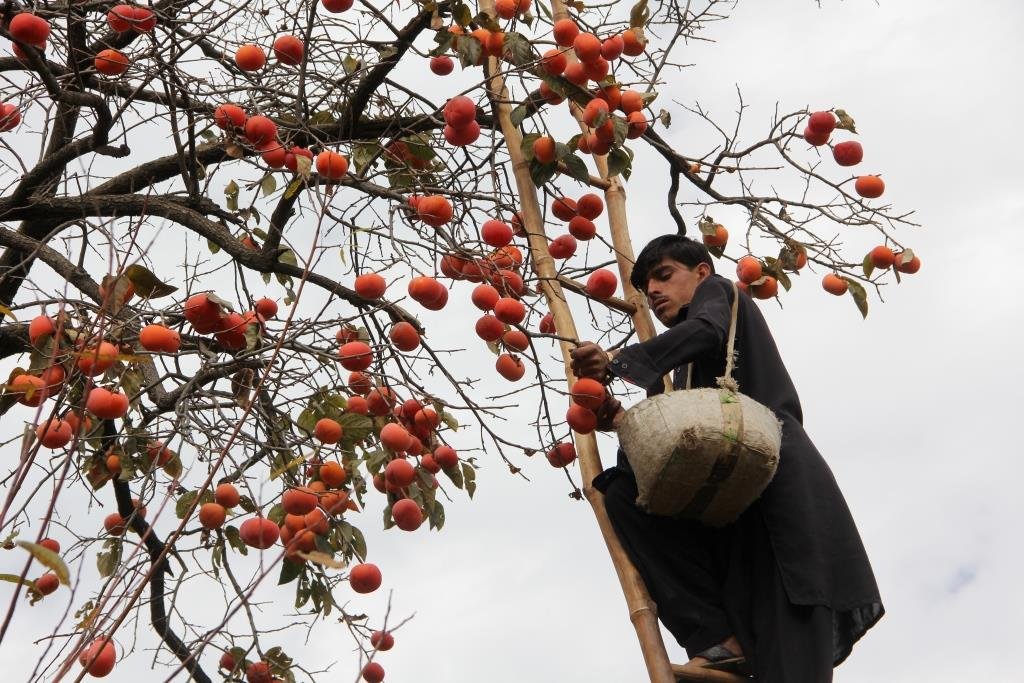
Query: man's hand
(590, 360)
(609, 415)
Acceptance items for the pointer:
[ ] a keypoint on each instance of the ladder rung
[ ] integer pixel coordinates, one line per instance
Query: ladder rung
(686, 673)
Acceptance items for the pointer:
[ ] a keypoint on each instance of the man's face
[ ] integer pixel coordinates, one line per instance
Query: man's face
(670, 287)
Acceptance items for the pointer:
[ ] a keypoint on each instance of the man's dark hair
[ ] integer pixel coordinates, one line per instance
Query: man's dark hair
(676, 247)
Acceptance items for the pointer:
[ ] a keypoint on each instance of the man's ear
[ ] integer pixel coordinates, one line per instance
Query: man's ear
(703, 270)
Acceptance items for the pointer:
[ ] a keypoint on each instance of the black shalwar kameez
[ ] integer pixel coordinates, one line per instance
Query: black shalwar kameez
(790, 578)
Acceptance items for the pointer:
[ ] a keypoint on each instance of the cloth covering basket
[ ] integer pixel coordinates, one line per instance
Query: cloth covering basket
(704, 454)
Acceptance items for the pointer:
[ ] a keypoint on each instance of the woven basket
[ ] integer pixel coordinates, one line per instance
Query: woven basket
(703, 454)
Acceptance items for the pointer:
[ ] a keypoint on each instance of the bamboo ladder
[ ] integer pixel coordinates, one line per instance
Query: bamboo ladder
(642, 610)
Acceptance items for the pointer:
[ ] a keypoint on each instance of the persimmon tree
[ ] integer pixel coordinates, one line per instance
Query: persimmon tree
(228, 230)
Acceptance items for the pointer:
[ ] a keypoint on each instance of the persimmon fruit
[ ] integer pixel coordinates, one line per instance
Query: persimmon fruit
(365, 578)
(250, 57)
(407, 514)
(833, 284)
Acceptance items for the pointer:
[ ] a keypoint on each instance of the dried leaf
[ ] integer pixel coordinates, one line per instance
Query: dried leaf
(845, 121)
(323, 559)
(289, 465)
(49, 558)
(242, 384)
(231, 193)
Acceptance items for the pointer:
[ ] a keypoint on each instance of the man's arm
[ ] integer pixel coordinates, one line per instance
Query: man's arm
(703, 332)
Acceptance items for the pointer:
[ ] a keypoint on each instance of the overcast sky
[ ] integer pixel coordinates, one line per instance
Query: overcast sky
(913, 408)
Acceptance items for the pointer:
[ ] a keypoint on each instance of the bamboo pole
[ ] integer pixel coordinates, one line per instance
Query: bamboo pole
(699, 675)
(642, 611)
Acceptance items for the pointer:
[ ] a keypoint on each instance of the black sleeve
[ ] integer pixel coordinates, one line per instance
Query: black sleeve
(703, 332)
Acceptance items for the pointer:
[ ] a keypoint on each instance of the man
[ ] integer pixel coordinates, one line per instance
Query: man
(784, 592)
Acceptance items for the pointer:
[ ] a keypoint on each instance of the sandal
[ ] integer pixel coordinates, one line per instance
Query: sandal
(721, 658)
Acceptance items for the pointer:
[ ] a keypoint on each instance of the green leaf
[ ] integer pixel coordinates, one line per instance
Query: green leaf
(350, 64)
(146, 283)
(868, 265)
(307, 420)
(619, 163)
(470, 50)
(288, 256)
(355, 429)
(268, 184)
(542, 173)
(576, 168)
(519, 49)
(276, 514)
(109, 560)
(289, 572)
(665, 117)
(131, 383)
(455, 474)
(526, 146)
(49, 558)
(358, 543)
(448, 419)
(375, 460)
(436, 515)
(363, 153)
(245, 502)
(322, 117)
(13, 578)
(235, 540)
(519, 114)
(443, 38)
(469, 475)
(184, 503)
(212, 246)
(860, 297)
(621, 128)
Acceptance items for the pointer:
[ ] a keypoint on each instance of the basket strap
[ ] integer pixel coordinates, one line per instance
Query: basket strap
(732, 437)
(730, 349)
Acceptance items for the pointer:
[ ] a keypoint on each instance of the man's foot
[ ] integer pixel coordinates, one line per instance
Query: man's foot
(730, 643)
